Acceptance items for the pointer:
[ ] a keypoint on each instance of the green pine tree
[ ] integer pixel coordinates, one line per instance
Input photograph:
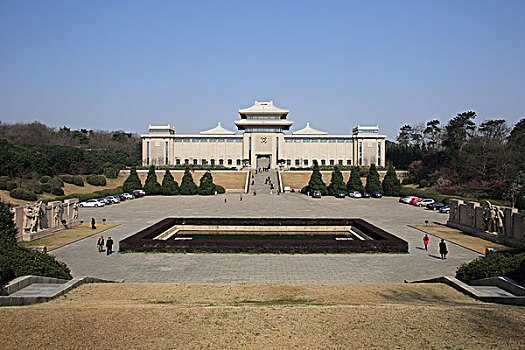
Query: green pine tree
(316, 182)
(373, 183)
(391, 184)
(187, 186)
(152, 186)
(206, 186)
(170, 187)
(337, 183)
(354, 182)
(132, 182)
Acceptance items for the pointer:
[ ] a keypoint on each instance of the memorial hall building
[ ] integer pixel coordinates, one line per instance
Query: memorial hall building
(263, 140)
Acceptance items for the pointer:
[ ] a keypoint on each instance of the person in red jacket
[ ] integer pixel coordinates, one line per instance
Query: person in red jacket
(425, 241)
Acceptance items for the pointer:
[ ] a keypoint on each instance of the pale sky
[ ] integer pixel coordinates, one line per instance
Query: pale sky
(125, 64)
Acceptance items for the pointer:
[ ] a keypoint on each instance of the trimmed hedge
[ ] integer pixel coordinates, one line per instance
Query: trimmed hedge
(19, 193)
(506, 263)
(5, 178)
(9, 185)
(57, 191)
(96, 180)
(44, 179)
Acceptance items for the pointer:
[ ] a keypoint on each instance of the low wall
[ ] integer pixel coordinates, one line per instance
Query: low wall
(471, 217)
(38, 220)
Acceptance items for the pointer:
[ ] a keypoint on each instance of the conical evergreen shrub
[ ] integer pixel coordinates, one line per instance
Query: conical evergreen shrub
(187, 186)
(373, 183)
(354, 182)
(337, 183)
(152, 186)
(132, 182)
(391, 184)
(169, 186)
(206, 186)
(316, 182)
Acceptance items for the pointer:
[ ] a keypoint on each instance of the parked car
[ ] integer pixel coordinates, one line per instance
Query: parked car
(141, 192)
(92, 203)
(445, 209)
(121, 197)
(435, 206)
(316, 194)
(128, 195)
(137, 194)
(377, 195)
(113, 199)
(366, 195)
(424, 202)
(105, 200)
(415, 200)
(340, 194)
(406, 199)
(355, 194)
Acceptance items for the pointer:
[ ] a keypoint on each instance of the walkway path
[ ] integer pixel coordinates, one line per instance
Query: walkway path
(262, 185)
(387, 213)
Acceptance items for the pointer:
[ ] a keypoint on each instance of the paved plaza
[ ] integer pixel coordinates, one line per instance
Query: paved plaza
(386, 213)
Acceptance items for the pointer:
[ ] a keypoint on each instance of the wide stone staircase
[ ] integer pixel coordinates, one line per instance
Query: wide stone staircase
(259, 182)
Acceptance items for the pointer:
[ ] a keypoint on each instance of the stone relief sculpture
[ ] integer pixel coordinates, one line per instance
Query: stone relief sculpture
(75, 211)
(57, 218)
(488, 217)
(493, 218)
(33, 217)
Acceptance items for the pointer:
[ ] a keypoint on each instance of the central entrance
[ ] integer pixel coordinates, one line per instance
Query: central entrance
(263, 161)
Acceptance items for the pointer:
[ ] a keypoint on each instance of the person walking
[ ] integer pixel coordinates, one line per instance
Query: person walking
(240, 197)
(100, 244)
(109, 246)
(425, 241)
(93, 227)
(443, 249)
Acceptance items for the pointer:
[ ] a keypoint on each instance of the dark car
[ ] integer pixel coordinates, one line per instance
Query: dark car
(122, 197)
(316, 194)
(435, 206)
(376, 195)
(340, 195)
(366, 195)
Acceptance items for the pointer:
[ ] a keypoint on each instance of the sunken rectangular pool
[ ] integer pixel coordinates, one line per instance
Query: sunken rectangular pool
(263, 235)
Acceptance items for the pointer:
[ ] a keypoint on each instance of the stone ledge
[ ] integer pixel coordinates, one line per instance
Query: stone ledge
(476, 294)
(64, 287)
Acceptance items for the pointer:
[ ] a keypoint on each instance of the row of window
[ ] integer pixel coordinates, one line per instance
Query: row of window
(205, 162)
(262, 117)
(262, 130)
(323, 162)
(320, 140)
(209, 140)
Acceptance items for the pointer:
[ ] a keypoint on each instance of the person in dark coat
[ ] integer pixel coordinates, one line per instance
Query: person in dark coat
(109, 246)
(93, 224)
(443, 249)
(100, 244)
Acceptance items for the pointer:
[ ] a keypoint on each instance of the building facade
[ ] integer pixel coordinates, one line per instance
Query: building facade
(264, 141)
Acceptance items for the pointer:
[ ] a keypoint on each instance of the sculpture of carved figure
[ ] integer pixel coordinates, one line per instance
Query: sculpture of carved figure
(499, 221)
(454, 212)
(29, 213)
(75, 211)
(58, 216)
(487, 216)
(39, 215)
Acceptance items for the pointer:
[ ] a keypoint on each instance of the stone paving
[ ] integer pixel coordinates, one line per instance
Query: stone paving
(387, 213)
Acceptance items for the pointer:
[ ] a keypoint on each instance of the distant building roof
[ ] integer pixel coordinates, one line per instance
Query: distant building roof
(259, 108)
(218, 130)
(308, 130)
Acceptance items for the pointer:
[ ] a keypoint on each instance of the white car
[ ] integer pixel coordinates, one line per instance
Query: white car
(92, 203)
(355, 194)
(113, 199)
(128, 195)
(407, 199)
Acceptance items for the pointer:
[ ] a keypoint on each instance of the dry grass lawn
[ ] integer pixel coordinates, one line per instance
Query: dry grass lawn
(227, 179)
(463, 239)
(6, 198)
(199, 316)
(63, 237)
(299, 179)
(87, 188)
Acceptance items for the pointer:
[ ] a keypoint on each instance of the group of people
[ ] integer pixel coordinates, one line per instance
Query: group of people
(109, 245)
(443, 251)
(260, 170)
